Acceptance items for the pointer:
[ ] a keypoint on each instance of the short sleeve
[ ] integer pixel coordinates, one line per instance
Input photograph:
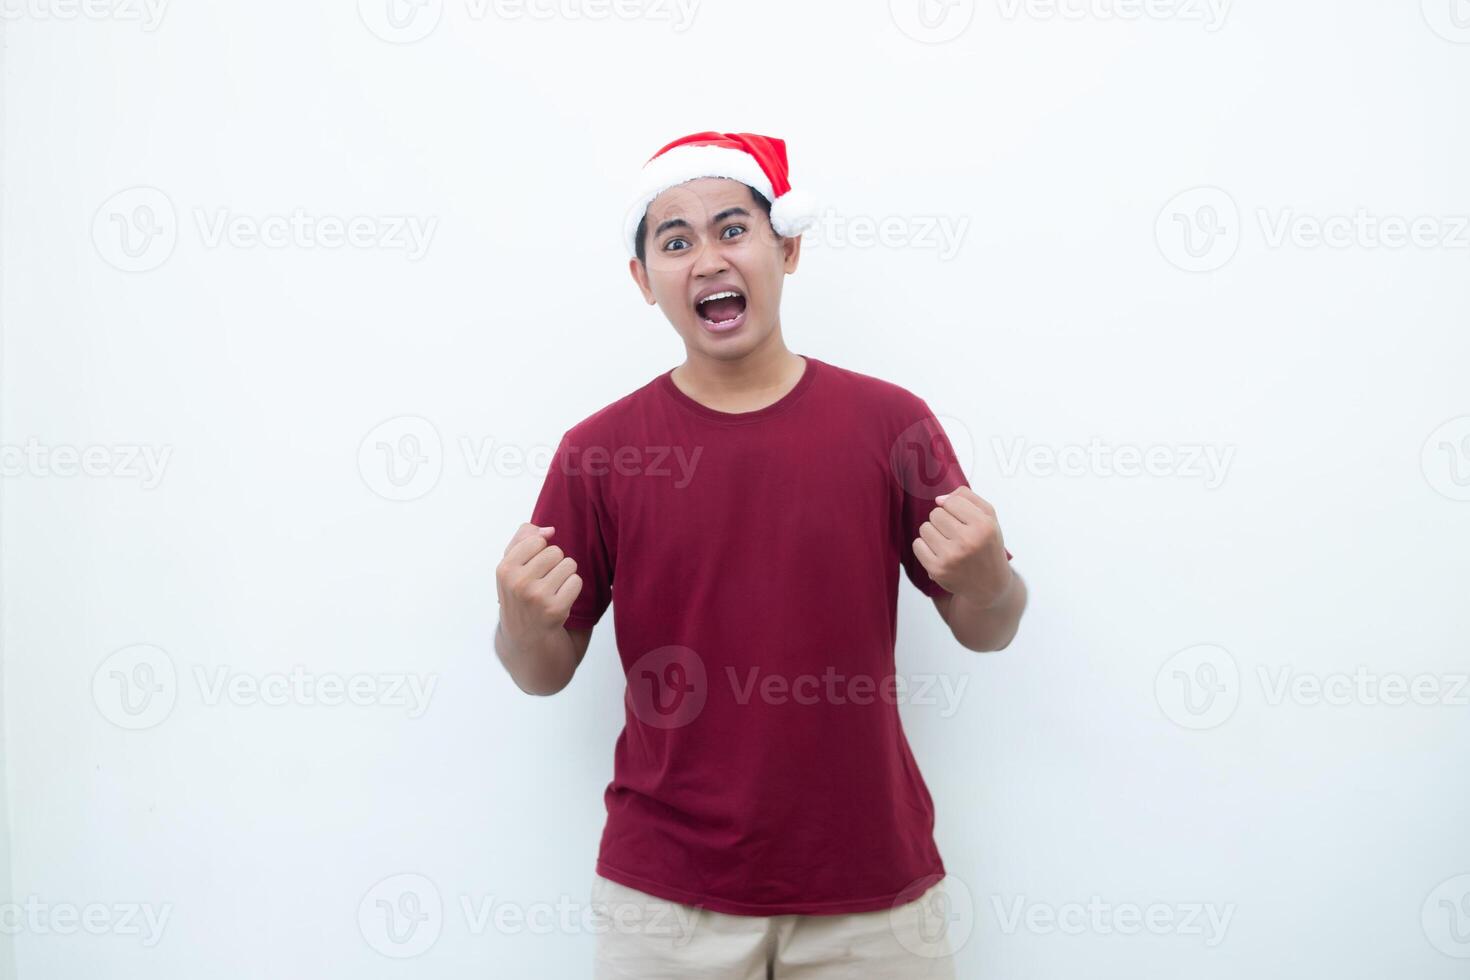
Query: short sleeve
(572, 502)
(926, 466)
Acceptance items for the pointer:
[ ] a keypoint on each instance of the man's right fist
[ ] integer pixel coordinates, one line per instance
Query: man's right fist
(536, 582)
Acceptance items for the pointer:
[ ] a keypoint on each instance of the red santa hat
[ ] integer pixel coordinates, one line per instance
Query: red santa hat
(759, 161)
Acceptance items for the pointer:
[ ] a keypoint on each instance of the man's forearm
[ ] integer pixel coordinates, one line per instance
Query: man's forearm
(985, 628)
(542, 664)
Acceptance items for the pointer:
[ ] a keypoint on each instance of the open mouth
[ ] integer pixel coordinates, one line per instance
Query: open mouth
(723, 310)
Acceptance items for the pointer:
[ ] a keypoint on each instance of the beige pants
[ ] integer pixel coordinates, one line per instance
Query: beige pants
(640, 937)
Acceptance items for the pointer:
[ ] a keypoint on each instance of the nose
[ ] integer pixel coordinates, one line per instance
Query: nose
(710, 262)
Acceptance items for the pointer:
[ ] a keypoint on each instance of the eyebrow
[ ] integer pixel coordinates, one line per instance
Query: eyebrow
(681, 223)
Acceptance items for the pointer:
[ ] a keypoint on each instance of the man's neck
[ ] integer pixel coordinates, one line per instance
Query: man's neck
(745, 384)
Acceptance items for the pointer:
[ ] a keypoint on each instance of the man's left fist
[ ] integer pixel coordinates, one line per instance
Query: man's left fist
(961, 548)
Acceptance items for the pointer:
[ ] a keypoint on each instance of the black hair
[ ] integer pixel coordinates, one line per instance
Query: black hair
(760, 199)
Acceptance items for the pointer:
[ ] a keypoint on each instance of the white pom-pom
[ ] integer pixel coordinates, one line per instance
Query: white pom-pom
(793, 212)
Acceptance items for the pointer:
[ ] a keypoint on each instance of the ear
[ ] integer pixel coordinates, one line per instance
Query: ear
(791, 253)
(640, 276)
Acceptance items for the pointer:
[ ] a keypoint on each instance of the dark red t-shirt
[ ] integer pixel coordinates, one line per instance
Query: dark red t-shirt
(754, 557)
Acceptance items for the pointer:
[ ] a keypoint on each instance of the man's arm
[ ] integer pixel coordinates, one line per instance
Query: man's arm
(984, 629)
(536, 585)
(960, 546)
(545, 663)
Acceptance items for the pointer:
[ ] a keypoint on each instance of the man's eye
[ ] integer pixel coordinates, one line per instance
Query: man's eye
(669, 245)
(739, 228)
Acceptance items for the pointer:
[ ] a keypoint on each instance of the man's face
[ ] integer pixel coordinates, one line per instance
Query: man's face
(708, 238)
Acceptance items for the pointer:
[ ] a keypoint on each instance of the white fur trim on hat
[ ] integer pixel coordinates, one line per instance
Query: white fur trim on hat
(790, 213)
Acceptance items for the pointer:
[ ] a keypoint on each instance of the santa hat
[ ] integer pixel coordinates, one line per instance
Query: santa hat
(759, 161)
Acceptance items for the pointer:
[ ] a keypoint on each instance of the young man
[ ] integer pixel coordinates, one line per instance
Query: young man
(752, 507)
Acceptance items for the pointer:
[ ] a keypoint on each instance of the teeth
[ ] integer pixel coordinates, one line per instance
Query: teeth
(727, 293)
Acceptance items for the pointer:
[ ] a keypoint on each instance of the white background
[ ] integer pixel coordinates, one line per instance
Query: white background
(1077, 767)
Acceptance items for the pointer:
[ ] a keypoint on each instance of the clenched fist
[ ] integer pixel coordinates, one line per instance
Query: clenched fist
(536, 583)
(961, 548)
